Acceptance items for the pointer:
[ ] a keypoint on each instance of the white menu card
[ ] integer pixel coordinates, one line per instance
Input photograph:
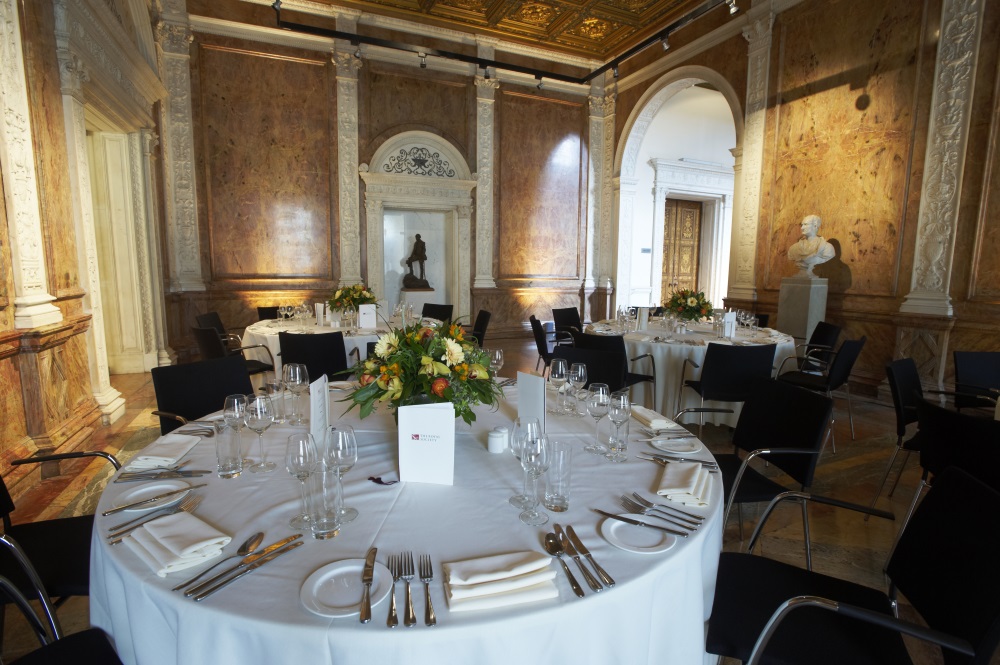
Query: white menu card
(319, 408)
(366, 316)
(320, 313)
(531, 397)
(427, 443)
(729, 325)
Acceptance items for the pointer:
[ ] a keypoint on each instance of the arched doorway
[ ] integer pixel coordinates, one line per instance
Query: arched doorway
(676, 161)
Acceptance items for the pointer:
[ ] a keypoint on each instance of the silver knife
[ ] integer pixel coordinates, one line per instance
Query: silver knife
(135, 477)
(629, 520)
(257, 564)
(151, 499)
(582, 549)
(571, 550)
(367, 575)
(247, 560)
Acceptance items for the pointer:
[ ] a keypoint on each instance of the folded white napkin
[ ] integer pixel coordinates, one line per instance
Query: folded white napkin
(650, 418)
(688, 483)
(175, 542)
(164, 451)
(499, 581)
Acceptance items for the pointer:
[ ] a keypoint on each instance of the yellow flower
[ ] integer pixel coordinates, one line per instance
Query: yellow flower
(477, 371)
(692, 301)
(386, 345)
(426, 366)
(452, 352)
(393, 389)
(337, 294)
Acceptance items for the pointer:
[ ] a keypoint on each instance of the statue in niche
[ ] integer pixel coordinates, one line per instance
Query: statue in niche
(812, 249)
(418, 255)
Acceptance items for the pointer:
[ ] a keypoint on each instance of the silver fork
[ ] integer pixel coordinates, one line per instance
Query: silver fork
(427, 576)
(633, 507)
(393, 563)
(683, 514)
(406, 562)
(119, 532)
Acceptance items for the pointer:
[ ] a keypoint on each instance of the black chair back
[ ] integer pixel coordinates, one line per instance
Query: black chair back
(843, 362)
(779, 415)
(264, 313)
(479, 327)
(210, 345)
(945, 562)
(567, 319)
(602, 366)
(541, 344)
(211, 320)
(762, 320)
(321, 354)
(904, 383)
(439, 312)
(612, 343)
(975, 373)
(197, 389)
(949, 438)
(820, 346)
(729, 372)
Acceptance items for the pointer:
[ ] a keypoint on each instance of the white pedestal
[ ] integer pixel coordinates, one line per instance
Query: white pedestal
(418, 299)
(801, 305)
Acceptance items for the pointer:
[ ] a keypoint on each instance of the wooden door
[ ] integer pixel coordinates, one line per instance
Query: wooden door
(681, 244)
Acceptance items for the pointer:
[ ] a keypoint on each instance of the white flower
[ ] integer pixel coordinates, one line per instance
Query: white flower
(386, 344)
(692, 302)
(453, 353)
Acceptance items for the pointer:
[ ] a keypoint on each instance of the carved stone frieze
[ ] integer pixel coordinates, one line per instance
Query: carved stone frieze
(347, 156)
(486, 86)
(418, 160)
(174, 38)
(72, 74)
(485, 128)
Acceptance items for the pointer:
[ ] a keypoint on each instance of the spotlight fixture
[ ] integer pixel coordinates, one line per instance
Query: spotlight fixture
(614, 72)
(539, 86)
(423, 60)
(357, 51)
(732, 6)
(486, 73)
(666, 44)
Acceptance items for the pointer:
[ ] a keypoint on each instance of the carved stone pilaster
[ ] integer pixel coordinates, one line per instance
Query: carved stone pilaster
(347, 158)
(148, 140)
(464, 235)
(944, 162)
(742, 277)
(376, 245)
(601, 212)
(485, 94)
(925, 339)
(72, 74)
(174, 39)
(32, 303)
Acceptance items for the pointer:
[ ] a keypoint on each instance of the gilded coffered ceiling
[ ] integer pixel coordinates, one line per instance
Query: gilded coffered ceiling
(599, 29)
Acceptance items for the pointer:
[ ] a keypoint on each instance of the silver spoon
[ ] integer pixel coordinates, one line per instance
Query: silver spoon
(553, 547)
(247, 547)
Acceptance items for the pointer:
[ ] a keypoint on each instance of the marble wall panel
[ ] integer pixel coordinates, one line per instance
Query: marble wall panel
(542, 180)
(511, 307)
(13, 432)
(6, 268)
(266, 129)
(394, 99)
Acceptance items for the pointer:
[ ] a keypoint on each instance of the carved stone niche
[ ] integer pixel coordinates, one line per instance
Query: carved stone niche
(924, 338)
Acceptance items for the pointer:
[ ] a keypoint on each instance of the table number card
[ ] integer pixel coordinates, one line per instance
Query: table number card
(366, 316)
(729, 325)
(427, 443)
(319, 408)
(531, 397)
(320, 313)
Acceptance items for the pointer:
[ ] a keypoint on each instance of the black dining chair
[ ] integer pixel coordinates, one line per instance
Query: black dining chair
(810, 356)
(567, 320)
(211, 346)
(977, 378)
(214, 321)
(324, 353)
(602, 366)
(904, 384)
(543, 342)
(188, 392)
(769, 612)
(439, 312)
(479, 327)
(267, 312)
(616, 344)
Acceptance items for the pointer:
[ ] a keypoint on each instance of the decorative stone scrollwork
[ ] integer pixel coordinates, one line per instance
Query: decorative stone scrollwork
(174, 38)
(419, 161)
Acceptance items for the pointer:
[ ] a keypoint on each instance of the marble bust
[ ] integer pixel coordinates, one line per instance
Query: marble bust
(812, 249)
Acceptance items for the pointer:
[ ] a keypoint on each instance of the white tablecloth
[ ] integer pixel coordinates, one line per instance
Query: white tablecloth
(266, 332)
(655, 614)
(669, 357)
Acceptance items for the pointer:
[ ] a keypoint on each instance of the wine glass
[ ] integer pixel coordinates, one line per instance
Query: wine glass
(576, 379)
(529, 427)
(342, 455)
(296, 379)
(300, 455)
(259, 415)
(535, 455)
(598, 401)
(234, 414)
(496, 361)
(619, 412)
(558, 369)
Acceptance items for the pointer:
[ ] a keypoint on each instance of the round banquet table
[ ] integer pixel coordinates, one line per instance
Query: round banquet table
(266, 332)
(655, 614)
(669, 356)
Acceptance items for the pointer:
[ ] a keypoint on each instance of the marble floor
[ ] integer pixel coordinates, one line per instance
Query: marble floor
(844, 544)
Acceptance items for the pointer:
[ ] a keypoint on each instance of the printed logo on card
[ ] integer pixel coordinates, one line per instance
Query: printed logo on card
(426, 438)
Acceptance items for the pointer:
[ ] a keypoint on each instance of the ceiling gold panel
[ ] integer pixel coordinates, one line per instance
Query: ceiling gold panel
(599, 29)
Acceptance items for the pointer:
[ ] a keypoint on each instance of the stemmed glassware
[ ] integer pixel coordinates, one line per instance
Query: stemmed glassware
(576, 379)
(619, 412)
(296, 379)
(535, 456)
(526, 429)
(259, 415)
(496, 361)
(558, 370)
(598, 401)
(300, 455)
(342, 455)
(234, 414)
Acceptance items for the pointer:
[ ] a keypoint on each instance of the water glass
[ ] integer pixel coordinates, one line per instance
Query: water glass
(619, 411)
(558, 373)
(598, 401)
(324, 509)
(275, 389)
(300, 456)
(576, 379)
(296, 380)
(259, 416)
(227, 451)
(496, 361)
(535, 457)
(557, 478)
(522, 429)
(234, 412)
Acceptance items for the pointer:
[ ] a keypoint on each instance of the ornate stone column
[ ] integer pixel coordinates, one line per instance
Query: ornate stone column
(156, 305)
(742, 275)
(601, 211)
(72, 76)
(347, 168)
(944, 162)
(32, 302)
(485, 94)
(376, 243)
(174, 37)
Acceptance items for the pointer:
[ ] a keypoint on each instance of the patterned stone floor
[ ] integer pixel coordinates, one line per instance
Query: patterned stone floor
(843, 544)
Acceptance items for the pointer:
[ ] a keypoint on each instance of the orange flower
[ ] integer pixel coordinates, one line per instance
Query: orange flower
(439, 385)
(366, 379)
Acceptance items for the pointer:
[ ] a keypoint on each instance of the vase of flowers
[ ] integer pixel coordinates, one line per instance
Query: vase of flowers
(350, 297)
(688, 305)
(423, 364)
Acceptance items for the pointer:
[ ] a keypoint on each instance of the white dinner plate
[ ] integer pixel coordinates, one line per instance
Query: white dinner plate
(148, 491)
(687, 445)
(335, 589)
(639, 539)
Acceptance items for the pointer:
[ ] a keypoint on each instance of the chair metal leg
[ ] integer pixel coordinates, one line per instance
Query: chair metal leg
(909, 513)
(885, 475)
(850, 412)
(805, 532)
(899, 475)
(701, 424)
(739, 516)
(833, 421)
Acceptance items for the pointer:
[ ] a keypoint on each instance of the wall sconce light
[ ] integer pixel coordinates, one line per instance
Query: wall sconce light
(423, 60)
(732, 6)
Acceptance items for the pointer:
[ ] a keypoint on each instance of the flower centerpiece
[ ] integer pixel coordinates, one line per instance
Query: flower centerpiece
(419, 363)
(688, 304)
(350, 297)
